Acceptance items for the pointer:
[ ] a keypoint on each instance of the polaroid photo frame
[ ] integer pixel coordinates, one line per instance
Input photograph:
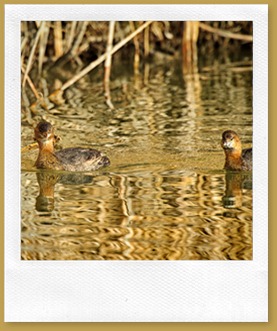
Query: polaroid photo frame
(135, 291)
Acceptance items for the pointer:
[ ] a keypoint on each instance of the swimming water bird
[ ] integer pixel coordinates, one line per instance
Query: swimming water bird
(69, 159)
(236, 158)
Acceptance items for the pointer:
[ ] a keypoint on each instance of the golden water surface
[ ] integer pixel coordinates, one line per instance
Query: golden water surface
(165, 195)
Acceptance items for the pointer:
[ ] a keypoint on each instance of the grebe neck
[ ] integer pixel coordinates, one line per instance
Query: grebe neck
(46, 146)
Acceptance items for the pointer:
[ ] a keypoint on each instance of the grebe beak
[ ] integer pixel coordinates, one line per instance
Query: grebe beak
(227, 144)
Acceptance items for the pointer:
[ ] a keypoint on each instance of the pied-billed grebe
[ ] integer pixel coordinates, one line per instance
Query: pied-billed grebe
(69, 159)
(236, 158)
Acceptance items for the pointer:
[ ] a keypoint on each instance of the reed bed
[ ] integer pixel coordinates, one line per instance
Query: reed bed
(80, 46)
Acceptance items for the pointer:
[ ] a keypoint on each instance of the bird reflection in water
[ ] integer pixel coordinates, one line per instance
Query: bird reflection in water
(45, 201)
(235, 182)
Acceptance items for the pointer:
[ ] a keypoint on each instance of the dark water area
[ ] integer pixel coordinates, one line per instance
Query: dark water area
(165, 195)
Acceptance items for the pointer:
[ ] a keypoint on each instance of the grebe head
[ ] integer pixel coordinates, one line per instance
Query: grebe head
(230, 140)
(44, 132)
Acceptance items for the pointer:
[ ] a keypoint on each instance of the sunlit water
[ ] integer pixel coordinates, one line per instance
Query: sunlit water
(165, 195)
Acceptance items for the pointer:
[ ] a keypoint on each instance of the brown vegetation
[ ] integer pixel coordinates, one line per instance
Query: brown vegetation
(85, 45)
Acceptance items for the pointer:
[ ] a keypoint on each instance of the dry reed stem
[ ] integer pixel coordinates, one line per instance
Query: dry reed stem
(42, 48)
(31, 84)
(195, 35)
(70, 38)
(29, 63)
(225, 33)
(79, 38)
(187, 41)
(58, 39)
(37, 23)
(108, 60)
(189, 46)
(136, 44)
(108, 64)
(23, 43)
(146, 42)
(95, 63)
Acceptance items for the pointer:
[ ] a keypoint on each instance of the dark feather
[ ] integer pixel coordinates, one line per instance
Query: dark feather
(82, 159)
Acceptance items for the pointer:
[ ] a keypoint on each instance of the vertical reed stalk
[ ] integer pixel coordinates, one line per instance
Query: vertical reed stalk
(42, 47)
(58, 39)
(70, 38)
(108, 64)
(74, 49)
(146, 42)
(189, 46)
(195, 35)
(136, 44)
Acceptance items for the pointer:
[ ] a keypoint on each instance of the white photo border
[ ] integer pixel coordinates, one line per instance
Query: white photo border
(136, 291)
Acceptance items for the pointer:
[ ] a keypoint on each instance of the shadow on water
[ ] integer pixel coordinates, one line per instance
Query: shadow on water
(47, 180)
(235, 183)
